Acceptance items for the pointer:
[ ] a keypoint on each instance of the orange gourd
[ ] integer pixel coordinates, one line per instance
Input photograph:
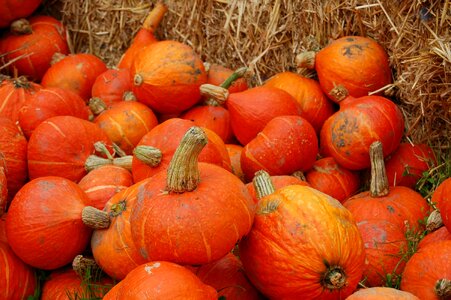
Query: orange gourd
(442, 197)
(381, 293)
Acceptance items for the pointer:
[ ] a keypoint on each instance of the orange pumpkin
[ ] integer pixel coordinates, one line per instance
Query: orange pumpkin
(441, 234)
(442, 197)
(303, 244)
(112, 86)
(167, 76)
(3, 186)
(3, 237)
(218, 74)
(234, 151)
(12, 10)
(381, 293)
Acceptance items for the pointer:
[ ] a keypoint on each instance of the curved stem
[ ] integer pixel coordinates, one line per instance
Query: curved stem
(183, 170)
(263, 184)
(155, 16)
(379, 183)
(149, 155)
(217, 93)
(232, 78)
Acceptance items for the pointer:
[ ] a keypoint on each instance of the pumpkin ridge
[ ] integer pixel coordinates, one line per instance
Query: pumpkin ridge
(141, 120)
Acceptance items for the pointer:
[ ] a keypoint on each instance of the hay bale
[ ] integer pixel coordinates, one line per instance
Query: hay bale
(266, 35)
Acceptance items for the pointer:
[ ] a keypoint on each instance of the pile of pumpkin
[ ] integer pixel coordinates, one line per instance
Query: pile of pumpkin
(180, 181)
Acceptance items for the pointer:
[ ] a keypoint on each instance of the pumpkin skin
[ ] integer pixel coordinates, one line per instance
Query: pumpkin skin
(12, 10)
(279, 181)
(166, 137)
(161, 280)
(228, 278)
(103, 183)
(3, 237)
(126, 122)
(17, 280)
(13, 152)
(348, 134)
(217, 74)
(381, 293)
(442, 197)
(3, 187)
(252, 109)
(13, 94)
(145, 35)
(65, 284)
(47, 37)
(406, 165)
(36, 221)
(330, 178)
(75, 72)
(234, 151)
(167, 76)
(315, 106)
(428, 265)
(285, 145)
(329, 242)
(111, 86)
(47, 103)
(73, 137)
(440, 234)
(358, 63)
(113, 248)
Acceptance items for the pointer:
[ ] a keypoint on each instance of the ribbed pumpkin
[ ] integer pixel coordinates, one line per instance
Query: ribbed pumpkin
(126, 122)
(175, 217)
(30, 45)
(381, 293)
(228, 278)
(358, 64)
(17, 280)
(428, 272)
(47, 103)
(161, 280)
(13, 153)
(3, 237)
(103, 183)
(167, 76)
(11, 10)
(62, 145)
(145, 35)
(234, 151)
(113, 248)
(164, 139)
(75, 72)
(48, 222)
(285, 145)
(442, 197)
(406, 165)
(303, 244)
(348, 134)
(330, 178)
(112, 86)
(315, 106)
(441, 234)
(3, 187)
(13, 93)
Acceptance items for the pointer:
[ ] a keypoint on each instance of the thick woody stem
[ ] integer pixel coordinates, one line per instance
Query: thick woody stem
(306, 60)
(434, 221)
(148, 155)
(21, 26)
(217, 93)
(338, 93)
(334, 278)
(97, 105)
(443, 289)
(82, 265)
(379, 183)
(299, 175)
(263, 184)
(95, 218)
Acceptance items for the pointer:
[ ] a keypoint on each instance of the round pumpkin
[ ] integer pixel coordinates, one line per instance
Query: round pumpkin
(113, 248)
(103, 183)
(381, 293)
(31, 44)
(356, 63)
(329, 177)
(441, 197)
(348, 134)
(218, 74)
(406, 164)
(441, 234)
(161, 280)
(285, 145)
(175, 217)
(17, 280)
(303, 244)
(13, 153)
(315, 106)
(47, 103)
(3, 185)
(3, 237)
(234, 151)
(167, 76)
(75, 72)
(47, 223)
(11, 10)
(428, 272)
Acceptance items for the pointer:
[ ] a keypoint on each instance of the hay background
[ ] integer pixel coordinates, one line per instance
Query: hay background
(266, 35)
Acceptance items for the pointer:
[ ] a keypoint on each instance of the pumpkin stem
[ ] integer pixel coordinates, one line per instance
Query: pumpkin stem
(138, 79)
(101, 148)
(148, 155)
(443, 288)
(299, 175)
(118, 150)
(219, 94)
(339, 93)
(94, 161)
(306, 60)
(334, 278)
(97, 105)
(82, 265)
(123, 162)
(95, 218)
(57, 57)
(155, 16)
(379, 182)
(117, 208)
(434, 221)
(207, 66)
(240, 72)
(183, 170)
(21, 82)
(129, 96)
(263, 184)
(21, 26)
